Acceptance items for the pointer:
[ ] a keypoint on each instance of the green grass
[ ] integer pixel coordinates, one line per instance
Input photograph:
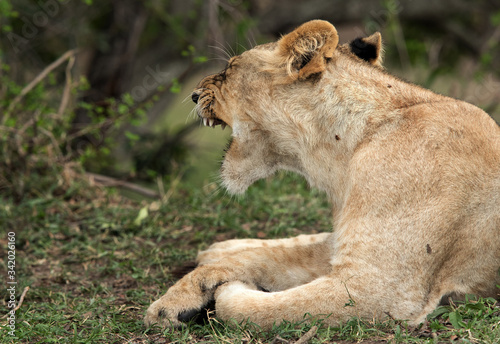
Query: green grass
(95, 260)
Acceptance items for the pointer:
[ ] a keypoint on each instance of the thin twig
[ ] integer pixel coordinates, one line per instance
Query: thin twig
(36, 80)
(307, 337)
(30, 122)
(21, 299)
(389, 315)
(67, 87)
(89, 128)
(52, 138)
(279, 340)
(109, 181)
(25, 291)
(18, 133)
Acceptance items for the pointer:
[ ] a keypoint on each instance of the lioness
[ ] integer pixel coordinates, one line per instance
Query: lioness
(413, 178)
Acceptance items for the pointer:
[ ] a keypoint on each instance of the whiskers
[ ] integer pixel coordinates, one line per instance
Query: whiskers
(252, 42)
(187, 99)
(224, 52)
(193, 115)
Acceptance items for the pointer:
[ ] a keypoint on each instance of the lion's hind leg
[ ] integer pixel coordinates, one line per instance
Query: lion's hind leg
(333, 299)
(324, 298)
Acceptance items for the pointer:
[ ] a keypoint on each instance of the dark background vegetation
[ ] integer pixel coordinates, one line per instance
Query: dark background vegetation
(96, 95)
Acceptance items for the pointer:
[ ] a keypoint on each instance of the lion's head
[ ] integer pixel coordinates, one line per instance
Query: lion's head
(266, 95)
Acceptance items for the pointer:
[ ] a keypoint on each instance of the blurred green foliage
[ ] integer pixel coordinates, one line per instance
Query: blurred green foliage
(100, 105)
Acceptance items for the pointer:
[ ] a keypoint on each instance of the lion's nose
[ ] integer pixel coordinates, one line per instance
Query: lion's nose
(195, 96)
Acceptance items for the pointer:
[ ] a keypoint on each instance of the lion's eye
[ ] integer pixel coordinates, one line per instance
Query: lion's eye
(223, 74)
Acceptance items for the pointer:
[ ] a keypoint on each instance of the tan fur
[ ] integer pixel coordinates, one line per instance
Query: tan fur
(413, 178)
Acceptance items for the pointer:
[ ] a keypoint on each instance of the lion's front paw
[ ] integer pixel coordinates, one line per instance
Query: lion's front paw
(177, 306)
(188, 297)
(160, 313)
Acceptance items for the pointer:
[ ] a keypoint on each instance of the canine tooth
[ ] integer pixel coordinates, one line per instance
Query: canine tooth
(205, 121)
(223, 126)
(211, 122)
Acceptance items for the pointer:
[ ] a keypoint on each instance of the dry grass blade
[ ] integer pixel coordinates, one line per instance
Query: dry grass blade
(21, 299)
(307, 337)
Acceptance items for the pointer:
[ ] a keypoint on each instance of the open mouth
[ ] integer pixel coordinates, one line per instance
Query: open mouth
(204, 108)
(213, 122)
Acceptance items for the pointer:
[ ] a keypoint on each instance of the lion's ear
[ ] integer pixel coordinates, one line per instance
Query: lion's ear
(369, 48)
(308, 48)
